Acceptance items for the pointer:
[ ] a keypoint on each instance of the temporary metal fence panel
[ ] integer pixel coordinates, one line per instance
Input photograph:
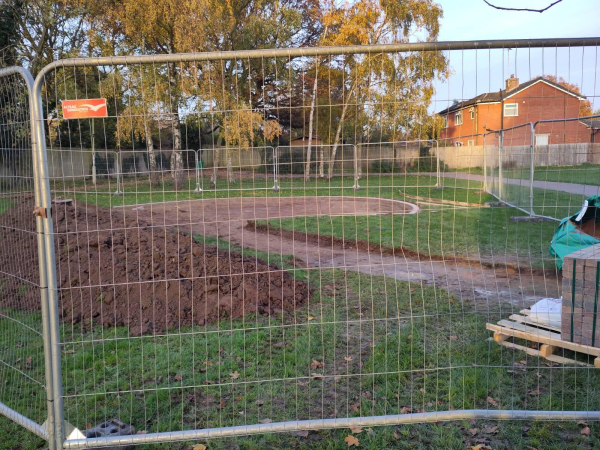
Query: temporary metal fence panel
(24, 359)
(261, 301)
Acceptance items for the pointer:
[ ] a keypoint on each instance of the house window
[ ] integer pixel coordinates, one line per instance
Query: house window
(472, 112)
(541, 139)
(458, 118)
(470, 143)
(511, 109)
(446, 121)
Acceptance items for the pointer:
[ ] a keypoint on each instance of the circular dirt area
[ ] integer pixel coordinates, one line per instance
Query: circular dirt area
(219, 210)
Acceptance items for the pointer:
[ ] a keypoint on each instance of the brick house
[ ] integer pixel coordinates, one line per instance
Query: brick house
(538, 99)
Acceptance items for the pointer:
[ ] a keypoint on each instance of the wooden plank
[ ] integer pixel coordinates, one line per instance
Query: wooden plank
(534, 352)
(546, 350)
(538, 337)
(498, 337)
(525, 312)
(527, 320)
(528, 329)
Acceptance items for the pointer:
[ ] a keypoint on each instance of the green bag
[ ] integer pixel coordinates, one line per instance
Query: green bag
(568, 238)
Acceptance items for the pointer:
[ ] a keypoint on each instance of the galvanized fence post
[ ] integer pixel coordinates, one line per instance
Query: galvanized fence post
(356, 186)
(500, 182)
(119, 191)
(275, 170)
(46, 431)
(485, 182)
(39, 146)
(531, 169)
(197, 162)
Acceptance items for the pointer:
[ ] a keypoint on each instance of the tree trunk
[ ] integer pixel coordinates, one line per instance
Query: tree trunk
(176, 158)
(339, 131)
(230, 176)
(154, 178)
(310, 128)
(321, 163)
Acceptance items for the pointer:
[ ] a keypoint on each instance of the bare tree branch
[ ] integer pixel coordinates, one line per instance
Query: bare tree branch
(523, 9)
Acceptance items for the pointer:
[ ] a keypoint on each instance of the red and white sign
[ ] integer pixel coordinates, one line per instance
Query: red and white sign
(83, 109)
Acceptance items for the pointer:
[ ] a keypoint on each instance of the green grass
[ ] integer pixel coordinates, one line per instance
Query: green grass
(443, 231)
(5, 203)
(385, 344)
(581, 174)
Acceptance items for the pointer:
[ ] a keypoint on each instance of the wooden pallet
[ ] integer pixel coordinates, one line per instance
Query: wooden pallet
(520, 326)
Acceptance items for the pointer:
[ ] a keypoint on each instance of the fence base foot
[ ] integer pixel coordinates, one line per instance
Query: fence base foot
(118, 194)
(112, 427)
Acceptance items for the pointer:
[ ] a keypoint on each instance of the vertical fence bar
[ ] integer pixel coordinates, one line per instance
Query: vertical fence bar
(531, 169)
(275, 170)
(39, 147)
(119, 191)
(356, 187)
(197, 162)
(500, 182)
(485, 182)
(438, 180)
(50, 422)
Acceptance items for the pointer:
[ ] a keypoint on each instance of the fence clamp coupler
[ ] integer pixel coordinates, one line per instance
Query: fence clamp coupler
(39, 211)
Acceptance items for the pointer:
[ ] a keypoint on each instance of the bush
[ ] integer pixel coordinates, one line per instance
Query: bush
(293, 162)
(382, 166)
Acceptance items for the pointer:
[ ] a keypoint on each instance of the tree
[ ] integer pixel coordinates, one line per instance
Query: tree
(179, 26)
(585, 106)
(383, 76)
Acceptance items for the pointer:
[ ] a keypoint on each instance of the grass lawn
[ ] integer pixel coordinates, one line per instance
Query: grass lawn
(363, 345)
(444, 230)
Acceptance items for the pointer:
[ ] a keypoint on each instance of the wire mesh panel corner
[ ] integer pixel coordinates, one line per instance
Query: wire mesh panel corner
(23, 363)
(281, 240)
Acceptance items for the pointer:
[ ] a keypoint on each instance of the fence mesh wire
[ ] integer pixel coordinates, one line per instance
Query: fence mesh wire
(21, 349)
(238, 278)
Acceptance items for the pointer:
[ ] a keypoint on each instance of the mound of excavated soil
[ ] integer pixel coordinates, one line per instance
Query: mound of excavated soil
(113, 270)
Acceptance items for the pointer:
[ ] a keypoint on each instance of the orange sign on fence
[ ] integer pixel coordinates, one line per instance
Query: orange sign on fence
(85, 108)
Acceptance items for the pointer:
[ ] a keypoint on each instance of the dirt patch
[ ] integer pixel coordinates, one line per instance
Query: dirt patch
(114, 269)
(369, 247)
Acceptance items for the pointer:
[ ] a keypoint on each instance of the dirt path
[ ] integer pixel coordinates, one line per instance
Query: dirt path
(227, 219)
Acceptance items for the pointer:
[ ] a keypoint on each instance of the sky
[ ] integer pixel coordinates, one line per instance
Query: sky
(476, 72)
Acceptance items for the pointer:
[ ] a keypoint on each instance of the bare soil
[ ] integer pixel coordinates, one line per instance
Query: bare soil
(498, 278)
(115, 269)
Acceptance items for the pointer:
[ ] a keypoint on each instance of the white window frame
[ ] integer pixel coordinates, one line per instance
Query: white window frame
(471, 143)
(516, 109)
(458, 116)
(547, 136)
(472, 113)
(445, 121)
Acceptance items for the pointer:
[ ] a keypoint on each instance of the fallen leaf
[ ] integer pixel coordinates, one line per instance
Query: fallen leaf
(351, 441)
(492, 402)
(265, 421)
(348, 358)
(582, 422)
(453, 338)
(406, 410)
(525, 429)
(316, 364)
(481, 447)
(141, 432)
(585, 431)
(207, 363)
(534, 393)
(198, 447)
(159, 380)
(310, 318)
(317, 376)
(260, 402)
(68, 351)
(396, 436)
(355, 407)
(301, 433)
(235, 375)
(356, 429)
(178, 377)
(238, 399)
(490, 430)
(473, 431)
(369, 430)
(303, 383)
